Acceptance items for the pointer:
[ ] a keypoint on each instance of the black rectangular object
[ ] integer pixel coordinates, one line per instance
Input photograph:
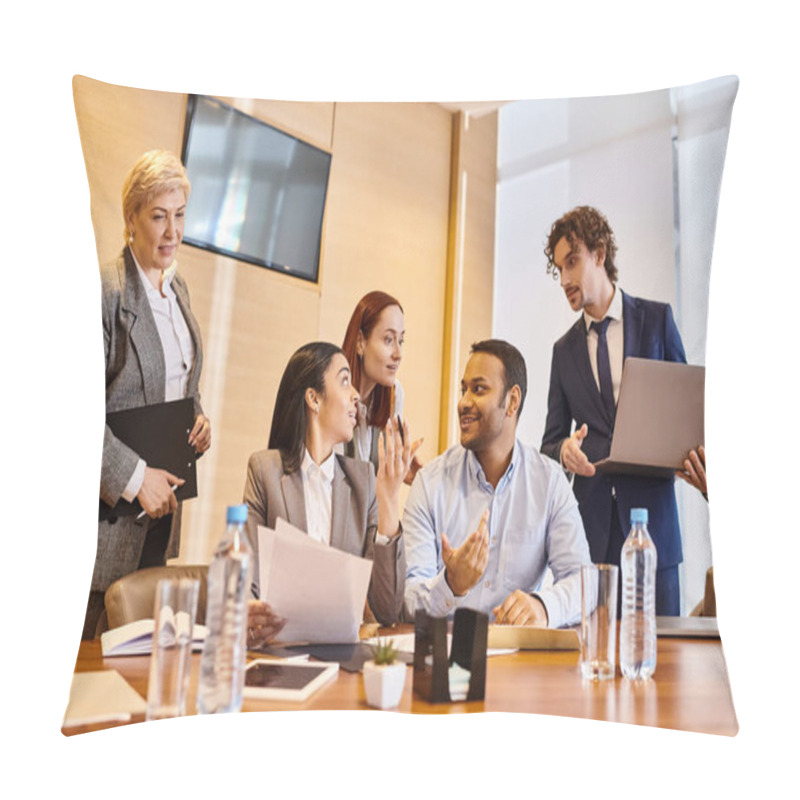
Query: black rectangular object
(159, 433)
(431, 679)
(258, 193)
(470, 638)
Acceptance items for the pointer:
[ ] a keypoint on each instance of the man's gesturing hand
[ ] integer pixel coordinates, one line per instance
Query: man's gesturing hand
(464, 565)
(572, 456)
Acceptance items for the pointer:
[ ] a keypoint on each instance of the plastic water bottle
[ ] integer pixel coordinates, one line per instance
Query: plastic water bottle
(637, 640)
(224, 651)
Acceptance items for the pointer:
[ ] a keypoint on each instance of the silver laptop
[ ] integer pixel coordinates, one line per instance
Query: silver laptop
(659, 418)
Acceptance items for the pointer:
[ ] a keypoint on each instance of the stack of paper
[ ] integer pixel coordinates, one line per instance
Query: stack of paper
(319, 590)
(104, 696)
(530, 637)
(404, 643)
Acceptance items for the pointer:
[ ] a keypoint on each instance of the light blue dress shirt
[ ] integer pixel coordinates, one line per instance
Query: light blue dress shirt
(534, 523)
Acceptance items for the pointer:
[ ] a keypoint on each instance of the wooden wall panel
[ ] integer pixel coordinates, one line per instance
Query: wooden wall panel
(252, 319)
(385, 227)
(311, 122)
(116, 125)
(470, 272)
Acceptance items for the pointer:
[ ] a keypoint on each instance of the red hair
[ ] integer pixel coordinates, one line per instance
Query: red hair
(364, 319)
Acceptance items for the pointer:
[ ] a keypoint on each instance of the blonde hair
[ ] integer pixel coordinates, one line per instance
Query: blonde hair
(156, 172)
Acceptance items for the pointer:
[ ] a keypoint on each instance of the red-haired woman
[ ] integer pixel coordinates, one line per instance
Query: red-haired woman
(373, 344)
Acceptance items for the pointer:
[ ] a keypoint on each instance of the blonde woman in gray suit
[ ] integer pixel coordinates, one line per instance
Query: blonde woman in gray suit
(335, 499)
(153, 353)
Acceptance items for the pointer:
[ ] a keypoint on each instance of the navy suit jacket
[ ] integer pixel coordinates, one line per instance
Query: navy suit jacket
(649, 331)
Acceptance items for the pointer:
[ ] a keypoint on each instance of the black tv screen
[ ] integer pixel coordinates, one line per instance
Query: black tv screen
(258, 194)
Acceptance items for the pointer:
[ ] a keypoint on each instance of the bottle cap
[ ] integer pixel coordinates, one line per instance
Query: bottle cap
(639, 515)
(237, 514)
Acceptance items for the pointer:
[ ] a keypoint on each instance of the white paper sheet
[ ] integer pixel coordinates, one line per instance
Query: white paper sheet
(404, 643)
(101, 696)
(321, 591)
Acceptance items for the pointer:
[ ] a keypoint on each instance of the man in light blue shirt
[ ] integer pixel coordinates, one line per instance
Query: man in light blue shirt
(484, 520)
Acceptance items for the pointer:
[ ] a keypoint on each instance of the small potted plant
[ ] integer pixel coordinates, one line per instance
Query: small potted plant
(384, 676)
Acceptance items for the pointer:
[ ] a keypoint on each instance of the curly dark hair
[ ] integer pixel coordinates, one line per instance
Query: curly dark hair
(588, 225)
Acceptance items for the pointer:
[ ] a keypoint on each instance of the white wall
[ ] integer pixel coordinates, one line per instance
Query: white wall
(703, 116)
(614, 153)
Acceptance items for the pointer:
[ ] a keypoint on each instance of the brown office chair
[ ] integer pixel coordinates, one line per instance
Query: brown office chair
(132, 597)
(707, 607)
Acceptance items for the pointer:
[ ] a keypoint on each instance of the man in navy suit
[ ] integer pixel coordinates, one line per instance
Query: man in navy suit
(584, 387)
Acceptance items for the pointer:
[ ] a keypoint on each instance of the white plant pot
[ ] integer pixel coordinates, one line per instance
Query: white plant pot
(383, 684)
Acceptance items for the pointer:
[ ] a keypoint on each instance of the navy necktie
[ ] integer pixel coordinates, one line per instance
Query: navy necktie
(604, 366)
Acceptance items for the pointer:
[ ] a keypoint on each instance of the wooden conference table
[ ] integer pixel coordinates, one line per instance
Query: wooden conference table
(689, 691)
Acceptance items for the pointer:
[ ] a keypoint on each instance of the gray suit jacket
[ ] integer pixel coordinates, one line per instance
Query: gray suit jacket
(135, 376)
(271, 493)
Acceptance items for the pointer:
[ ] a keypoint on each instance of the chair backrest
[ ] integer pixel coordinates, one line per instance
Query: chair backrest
(707, 607)
(710, 596)
(132, 597)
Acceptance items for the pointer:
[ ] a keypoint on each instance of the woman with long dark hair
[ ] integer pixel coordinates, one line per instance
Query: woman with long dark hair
(337, 500)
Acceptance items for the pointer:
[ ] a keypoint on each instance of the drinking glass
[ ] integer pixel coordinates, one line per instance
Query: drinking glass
(174, 615)
(598, 620)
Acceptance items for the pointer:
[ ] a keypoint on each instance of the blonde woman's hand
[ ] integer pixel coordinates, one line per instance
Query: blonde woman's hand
(200, 435)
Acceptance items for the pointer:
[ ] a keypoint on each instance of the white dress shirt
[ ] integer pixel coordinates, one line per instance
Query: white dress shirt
(613, 337)
(176, 340)
(318, 494)
(534, 523)
(178, 347)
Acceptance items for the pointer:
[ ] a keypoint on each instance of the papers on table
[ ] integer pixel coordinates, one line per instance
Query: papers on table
(103, 696)
(319, 590)
(503, 639)
(530, 637)
(404, 643)
(136, 638)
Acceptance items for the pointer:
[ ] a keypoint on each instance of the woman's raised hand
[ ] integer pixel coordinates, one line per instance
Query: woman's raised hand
(395, 453)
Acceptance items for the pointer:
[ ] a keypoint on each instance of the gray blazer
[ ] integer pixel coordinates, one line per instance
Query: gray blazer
(135, 376)
(271, 493)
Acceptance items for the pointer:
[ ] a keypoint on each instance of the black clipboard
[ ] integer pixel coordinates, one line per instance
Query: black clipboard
(159, 433)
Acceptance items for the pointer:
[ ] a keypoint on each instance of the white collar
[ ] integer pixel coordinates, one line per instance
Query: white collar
(614, 310)
(325, 468)
(166, 280)
(476, 469)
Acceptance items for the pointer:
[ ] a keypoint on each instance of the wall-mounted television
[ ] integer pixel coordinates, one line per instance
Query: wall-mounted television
(258, 194)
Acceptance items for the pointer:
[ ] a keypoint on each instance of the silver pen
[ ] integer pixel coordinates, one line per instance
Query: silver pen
(172, 489)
